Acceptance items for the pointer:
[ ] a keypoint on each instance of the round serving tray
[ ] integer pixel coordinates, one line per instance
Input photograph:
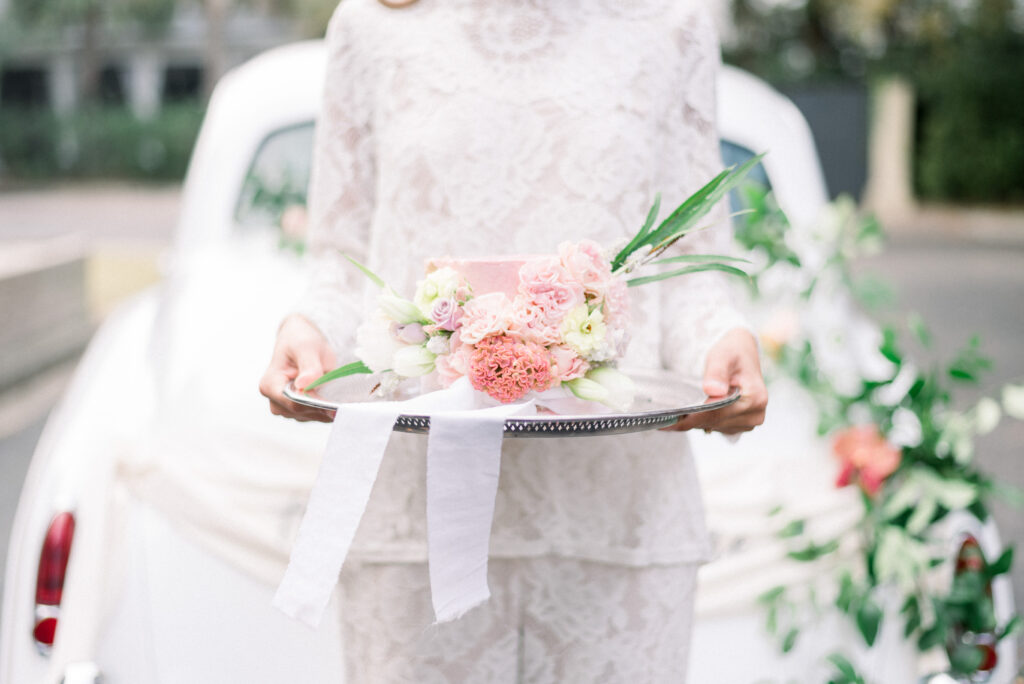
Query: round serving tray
(662, 397)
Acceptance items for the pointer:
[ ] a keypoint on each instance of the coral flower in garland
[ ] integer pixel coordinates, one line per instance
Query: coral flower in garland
(865, 456)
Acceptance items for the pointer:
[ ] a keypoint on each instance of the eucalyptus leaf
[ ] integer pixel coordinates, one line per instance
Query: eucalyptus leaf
(869, 619)
(1001, 565)
(789, 641)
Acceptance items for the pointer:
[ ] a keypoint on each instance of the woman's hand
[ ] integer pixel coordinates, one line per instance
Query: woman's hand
(732, 362)
(301, 354)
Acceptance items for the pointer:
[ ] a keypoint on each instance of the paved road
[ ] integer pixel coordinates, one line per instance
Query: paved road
(15, 452)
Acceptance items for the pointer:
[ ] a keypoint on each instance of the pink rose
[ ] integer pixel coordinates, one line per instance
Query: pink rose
(489, 314)
(546, 284)
(446, 313)
(566, 364)
(587, 266)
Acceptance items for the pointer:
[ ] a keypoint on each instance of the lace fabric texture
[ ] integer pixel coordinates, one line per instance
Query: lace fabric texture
(548, 620)
(472, 128)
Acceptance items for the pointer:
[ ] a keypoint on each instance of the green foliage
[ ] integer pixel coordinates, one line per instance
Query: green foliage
(934, 476)
(844, 671)
(970, 139)
(97, 142)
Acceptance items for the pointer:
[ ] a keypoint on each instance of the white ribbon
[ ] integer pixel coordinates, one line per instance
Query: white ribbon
(463, 462)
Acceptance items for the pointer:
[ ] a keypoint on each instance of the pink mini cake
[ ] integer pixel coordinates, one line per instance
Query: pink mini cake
(486, 274)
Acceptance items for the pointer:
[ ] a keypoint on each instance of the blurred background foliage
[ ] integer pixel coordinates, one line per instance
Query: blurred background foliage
(964, 58)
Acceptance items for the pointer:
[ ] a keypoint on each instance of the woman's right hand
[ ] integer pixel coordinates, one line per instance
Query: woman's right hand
(302, 355)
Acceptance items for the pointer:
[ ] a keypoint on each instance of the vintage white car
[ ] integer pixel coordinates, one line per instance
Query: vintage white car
(163, 495)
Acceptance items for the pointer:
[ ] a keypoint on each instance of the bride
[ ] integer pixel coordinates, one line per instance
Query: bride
(469, 128)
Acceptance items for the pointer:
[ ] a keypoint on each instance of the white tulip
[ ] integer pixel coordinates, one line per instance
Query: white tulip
(399, 309)
(588, 390)
(621, 389)
(413, 361)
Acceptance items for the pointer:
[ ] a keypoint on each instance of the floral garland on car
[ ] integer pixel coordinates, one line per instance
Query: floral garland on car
(898, 437)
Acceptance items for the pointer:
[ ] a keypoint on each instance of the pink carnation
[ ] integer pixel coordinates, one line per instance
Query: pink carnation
(489, 314)
(587, 266)
(546, 284)
(507, 368)
(531, 322)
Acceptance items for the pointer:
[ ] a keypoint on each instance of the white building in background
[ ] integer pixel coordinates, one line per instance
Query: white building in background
(138, 70)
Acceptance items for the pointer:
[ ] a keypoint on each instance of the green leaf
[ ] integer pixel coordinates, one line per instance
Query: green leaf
(1011, 627)
(376, 279)
(635, 282)
(1001, 564)
(814, 551)
(792, 529)
(789, 641)
(889, 348)
(690, 211)
(966, 658)
(354, 368)
(686, 258)
(652, 216)
(772, 595)
(932, 637)
(845, 667)
(869, 618)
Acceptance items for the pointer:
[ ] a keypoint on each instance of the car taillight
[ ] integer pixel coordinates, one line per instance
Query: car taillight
(53, 564)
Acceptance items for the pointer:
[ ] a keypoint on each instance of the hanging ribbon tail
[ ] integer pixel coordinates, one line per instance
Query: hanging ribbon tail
(463, 463)
(348, 470)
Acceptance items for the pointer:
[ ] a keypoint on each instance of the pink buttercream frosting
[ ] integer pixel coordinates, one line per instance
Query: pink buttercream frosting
(486, 274)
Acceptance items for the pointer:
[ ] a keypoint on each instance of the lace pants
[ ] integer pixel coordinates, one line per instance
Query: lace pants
(549, 620)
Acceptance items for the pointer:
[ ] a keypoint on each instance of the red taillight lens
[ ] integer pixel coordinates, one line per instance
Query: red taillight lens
(53, 564)
(45, 630)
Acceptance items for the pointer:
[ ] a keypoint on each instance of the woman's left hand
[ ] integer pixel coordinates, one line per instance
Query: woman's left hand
(732, 362)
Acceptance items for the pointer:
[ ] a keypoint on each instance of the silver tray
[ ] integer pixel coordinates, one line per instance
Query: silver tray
(661, 398)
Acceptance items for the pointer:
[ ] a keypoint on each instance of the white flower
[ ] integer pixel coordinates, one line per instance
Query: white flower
(986, 415)
(584, 331)
(906, 428)
(413, 361)
(375, 344)
(398, 309)
(621, 389)
(1013, 401)
(439, 344)
(438, 284)
(587, 389)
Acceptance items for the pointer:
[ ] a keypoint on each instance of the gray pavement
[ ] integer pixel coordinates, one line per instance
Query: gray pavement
(15, 454)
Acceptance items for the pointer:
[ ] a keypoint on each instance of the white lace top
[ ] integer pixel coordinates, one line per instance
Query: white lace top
(481, 127)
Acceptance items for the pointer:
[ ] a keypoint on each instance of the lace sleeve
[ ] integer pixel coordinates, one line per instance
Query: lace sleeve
(341, 192)
(697, 309)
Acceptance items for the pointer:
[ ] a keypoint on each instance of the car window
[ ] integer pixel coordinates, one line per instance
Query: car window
(278, 177)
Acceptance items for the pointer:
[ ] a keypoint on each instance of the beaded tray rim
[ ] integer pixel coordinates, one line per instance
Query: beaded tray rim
(553, 425)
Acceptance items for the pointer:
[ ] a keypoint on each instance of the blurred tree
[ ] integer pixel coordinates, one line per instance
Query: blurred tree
(311, 16)
(93, 18)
